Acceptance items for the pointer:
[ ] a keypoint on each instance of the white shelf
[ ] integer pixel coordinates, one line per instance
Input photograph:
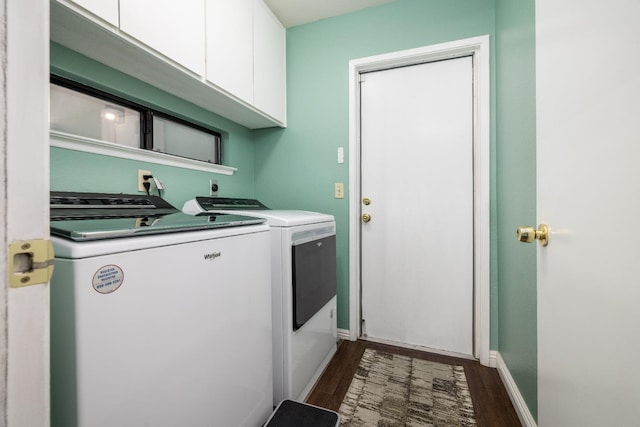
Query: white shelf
(95, 146)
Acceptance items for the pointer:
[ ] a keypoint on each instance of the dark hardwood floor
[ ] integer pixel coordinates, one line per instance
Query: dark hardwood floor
(490, 399)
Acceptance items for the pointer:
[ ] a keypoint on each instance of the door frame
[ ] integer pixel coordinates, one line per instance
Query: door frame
(24, 209)
(478, 47)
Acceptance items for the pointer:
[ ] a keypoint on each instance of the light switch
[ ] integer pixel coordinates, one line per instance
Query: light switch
(340, 154)
(339, 190)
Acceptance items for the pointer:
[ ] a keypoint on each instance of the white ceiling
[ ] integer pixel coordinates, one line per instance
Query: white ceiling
(297, 12)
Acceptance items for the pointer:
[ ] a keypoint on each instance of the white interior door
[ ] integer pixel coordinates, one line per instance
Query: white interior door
(417, 171)
(24, 209)
(588, 172)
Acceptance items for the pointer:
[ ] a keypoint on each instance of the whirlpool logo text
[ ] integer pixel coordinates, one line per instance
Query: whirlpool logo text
(212, 256)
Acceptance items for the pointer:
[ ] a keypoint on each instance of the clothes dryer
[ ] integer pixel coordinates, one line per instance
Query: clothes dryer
(303, 280)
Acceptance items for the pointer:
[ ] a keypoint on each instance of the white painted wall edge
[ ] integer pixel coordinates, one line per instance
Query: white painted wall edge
(519, 404)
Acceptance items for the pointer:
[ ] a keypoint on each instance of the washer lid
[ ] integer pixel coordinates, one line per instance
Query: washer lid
(110, 228)
(94, 216)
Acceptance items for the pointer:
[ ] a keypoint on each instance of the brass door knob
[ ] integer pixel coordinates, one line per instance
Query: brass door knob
(366, 201)
(366, 217)
(529, 234)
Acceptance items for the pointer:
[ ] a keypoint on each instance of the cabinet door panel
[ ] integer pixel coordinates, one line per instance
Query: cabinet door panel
(269, 62)
(230, 46)
(105, 9)
(175, 29)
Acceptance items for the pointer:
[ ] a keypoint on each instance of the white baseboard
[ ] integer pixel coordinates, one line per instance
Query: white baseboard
(344, 334)
(495, 360)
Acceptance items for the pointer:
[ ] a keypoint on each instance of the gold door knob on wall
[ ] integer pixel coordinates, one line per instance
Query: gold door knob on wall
(529, 234)
(366, 217)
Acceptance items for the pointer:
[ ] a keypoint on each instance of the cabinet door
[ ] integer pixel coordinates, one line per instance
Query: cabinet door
(269, 94)
(175, 29)
(105, 9)
(229, 29)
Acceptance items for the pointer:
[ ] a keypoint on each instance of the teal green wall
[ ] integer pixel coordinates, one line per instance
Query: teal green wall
(78, 171)
(296, 167)
(516, 188)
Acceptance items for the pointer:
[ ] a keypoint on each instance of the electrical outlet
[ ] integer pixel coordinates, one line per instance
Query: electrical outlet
(339, 190)
(141, 174)
(213, 187)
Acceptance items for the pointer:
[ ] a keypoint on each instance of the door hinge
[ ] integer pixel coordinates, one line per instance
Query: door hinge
(30, 262)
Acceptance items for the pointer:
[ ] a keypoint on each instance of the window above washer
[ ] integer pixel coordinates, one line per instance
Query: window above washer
(83, 113)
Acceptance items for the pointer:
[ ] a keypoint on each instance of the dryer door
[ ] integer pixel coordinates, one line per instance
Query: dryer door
(314, 277)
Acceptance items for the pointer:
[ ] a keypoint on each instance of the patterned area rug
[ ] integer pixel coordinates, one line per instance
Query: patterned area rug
(393, 390)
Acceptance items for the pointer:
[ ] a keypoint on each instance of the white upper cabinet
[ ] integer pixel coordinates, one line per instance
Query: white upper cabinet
(227, 56)
(176, 29)
(269, 66)
(229, 29)
(105, 9)
(246, 53)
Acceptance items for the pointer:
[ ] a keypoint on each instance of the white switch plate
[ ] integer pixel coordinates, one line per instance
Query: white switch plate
(340, 154)
(339, 190)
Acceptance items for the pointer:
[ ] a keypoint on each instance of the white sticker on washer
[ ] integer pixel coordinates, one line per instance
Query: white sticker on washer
(108, 279)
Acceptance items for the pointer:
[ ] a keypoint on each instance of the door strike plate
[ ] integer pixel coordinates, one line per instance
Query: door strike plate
(30, 263)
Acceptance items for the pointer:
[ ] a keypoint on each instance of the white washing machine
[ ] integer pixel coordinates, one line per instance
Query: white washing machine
(158, 318)
(303, 278)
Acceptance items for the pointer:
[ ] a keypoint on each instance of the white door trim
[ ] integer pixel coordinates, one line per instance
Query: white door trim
(479, 48)
(24, 208)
